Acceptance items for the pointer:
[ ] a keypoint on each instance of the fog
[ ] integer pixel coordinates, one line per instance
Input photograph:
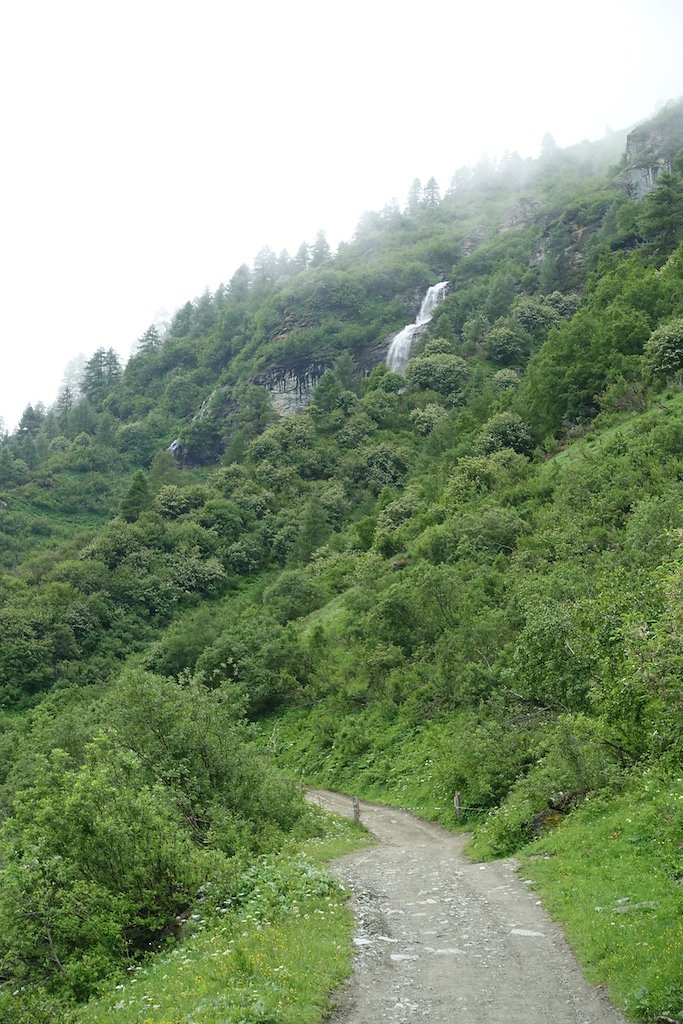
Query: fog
(149, 148)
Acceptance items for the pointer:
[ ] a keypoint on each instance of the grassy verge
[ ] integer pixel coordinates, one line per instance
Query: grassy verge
(613, 876)
(270, 955)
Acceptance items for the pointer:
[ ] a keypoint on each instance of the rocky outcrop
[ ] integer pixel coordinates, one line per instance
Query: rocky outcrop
(650, 149)
(291, 386)
(525, 211)
(642, 177)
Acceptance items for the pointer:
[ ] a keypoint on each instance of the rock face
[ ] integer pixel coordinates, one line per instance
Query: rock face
(650, 149)
(642, 177)
(524, 212)
(291, 387)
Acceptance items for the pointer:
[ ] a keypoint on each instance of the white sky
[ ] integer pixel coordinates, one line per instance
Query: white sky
(149, 148)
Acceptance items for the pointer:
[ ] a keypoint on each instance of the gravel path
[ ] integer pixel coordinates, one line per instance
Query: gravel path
(444, 940)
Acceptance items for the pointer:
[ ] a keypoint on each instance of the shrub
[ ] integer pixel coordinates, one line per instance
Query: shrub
(505, 430)
(663, 352)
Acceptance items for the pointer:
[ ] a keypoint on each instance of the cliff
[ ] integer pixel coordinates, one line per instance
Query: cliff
(650, 149)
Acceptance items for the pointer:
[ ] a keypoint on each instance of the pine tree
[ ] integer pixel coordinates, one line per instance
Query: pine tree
(302, 258)
(149, 342)
(548, 147)
(112, 367)
(314, 528)
(661, 219)
(31, 421)
(94, 383)
(100, 374)
(414, 196)
(284, 266)
(265, 266)
(73, 374)
(240, 282)
(64, 405)
(137, 499)
(461, 179)
(431, 196)
(320, 251)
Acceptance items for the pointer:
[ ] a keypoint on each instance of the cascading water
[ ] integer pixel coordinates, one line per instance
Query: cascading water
(399, 350)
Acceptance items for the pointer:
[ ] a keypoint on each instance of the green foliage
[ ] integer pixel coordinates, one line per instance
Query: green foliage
(440, 372)
(260, 656)
(378, 466)
(661, 215)
(95, 862)
(505, 430)
(137, 499)
(271, 951)
(104, 846)
(293, 594)
(428, 418)
(506, 380)
(506, 345)
(663, 352)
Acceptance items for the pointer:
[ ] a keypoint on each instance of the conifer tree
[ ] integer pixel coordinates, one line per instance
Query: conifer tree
(137, 499)
(302, 258)
(149, 342)
(240, 283)
(414, 196)
(661, 220)
(112, 367)
(284, 264)
(314, 528)
(64, 405)
(94, 383)
(320, 251)
(431, 196)
(265, 265)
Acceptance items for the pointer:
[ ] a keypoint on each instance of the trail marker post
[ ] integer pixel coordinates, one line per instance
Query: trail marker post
(457, 804)
(356, 809)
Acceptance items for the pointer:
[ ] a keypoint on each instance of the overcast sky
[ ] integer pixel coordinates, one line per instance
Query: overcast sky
(149, 148)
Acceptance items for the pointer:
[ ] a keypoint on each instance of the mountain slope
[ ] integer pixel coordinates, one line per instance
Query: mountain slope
(463, 579)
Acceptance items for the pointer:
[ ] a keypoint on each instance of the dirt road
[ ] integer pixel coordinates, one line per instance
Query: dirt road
(444, 940)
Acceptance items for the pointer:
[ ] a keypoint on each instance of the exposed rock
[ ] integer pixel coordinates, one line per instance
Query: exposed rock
(524, 212)
(624, 906)
(176, 450)
(538, 254)
(561, 801)
(642, 178)
(474, 240)
(650, 149)
(291, 386)
(545, 820)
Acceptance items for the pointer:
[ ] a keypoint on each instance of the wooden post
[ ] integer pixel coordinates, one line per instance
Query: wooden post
(356, 809)
(457, 803)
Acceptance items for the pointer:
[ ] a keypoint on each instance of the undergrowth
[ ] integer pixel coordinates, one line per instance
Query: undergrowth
(270, 952)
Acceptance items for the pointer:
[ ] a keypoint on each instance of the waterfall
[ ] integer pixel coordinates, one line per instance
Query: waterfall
(399, 350)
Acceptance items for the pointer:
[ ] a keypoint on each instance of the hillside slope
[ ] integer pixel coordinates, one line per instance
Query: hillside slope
(465, 578)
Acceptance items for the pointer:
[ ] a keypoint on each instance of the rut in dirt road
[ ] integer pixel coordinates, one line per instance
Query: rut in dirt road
(444, 940)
